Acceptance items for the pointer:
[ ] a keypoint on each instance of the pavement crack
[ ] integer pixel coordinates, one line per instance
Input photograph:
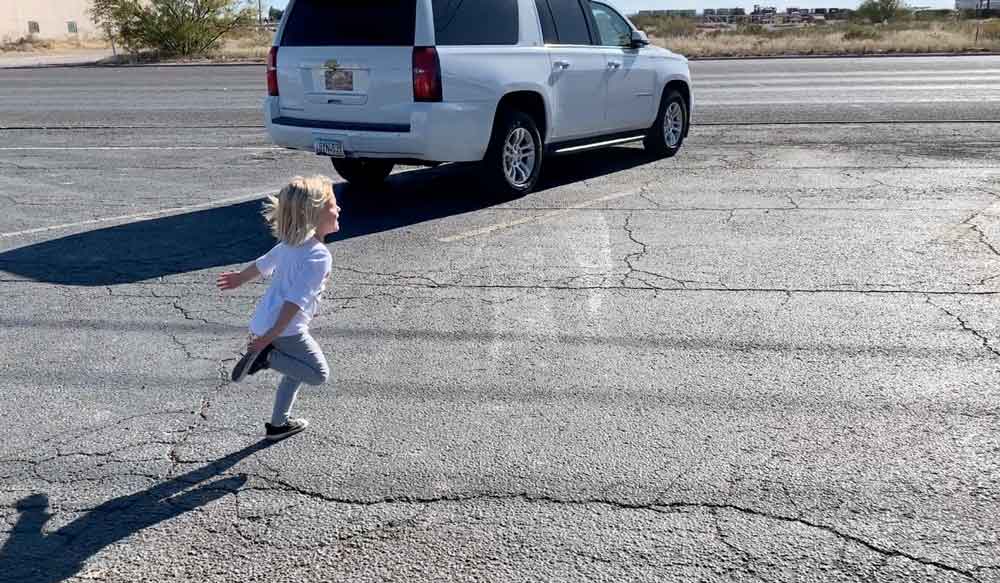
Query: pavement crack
(988, 279)
(983, 339)
(744, 556)
(69, 436)
(201, 414)
(785, 300)
(984, 239)
(276, 484)
(393, 277)
(644, 195)
(633, 257)
(187, 314)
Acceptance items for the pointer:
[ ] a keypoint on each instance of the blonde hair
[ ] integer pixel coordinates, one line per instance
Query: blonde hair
(296, 211)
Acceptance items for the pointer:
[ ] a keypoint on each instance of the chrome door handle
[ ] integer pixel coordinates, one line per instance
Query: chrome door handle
(614, 65)
(561, 65)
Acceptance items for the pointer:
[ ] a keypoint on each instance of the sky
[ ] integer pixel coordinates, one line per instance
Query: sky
(633, 6)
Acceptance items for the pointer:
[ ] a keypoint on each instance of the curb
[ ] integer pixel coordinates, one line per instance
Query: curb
(99, 65)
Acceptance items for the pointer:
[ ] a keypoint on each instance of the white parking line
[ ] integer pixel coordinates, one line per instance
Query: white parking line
(139, 217)
(892, 75)
(535, 218)
(833, 100)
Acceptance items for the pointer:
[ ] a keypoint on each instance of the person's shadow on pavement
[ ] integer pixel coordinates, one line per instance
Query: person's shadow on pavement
(31, 556)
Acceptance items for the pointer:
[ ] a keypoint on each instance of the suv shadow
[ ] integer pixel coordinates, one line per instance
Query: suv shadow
(237, 234)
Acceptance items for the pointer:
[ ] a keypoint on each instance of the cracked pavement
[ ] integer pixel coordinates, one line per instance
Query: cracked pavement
(771, 358)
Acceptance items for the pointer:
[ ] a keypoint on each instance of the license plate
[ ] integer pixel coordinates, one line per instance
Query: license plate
(339, 80)
(332, 148)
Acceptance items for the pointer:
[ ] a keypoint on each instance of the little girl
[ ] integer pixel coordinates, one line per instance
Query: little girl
(302, 214)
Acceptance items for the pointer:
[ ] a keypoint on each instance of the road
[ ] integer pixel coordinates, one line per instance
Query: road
(771, 358)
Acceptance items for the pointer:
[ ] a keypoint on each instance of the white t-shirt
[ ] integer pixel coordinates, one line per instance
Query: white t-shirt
(299, 276)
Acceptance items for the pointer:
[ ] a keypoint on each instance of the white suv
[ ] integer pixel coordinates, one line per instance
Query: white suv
(373, 83)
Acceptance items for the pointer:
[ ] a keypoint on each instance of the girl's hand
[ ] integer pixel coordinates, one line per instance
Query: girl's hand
(258, 344)
(229, 280)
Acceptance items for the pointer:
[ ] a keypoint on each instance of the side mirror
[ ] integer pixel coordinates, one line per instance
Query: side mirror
(639, 39)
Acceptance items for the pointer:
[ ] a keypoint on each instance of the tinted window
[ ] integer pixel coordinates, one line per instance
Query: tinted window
(475, 22)
(612, 28)
(548, 25)
(387, 23)
(571, 23)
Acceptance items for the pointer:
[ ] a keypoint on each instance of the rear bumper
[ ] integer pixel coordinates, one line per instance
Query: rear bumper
(437, 132)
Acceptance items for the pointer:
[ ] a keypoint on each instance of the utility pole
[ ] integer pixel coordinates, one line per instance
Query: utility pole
(260, 13)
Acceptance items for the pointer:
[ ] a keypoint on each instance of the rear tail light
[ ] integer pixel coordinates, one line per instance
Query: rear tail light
(272, 72)
(426, 74)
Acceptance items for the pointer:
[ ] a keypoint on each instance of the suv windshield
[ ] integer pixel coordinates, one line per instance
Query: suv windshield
(344, 23)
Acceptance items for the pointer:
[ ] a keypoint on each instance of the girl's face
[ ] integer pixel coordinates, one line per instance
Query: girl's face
(330, 219)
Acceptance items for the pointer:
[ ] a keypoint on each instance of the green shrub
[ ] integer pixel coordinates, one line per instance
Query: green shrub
(883, 10)
(752, 30)
(170, 27)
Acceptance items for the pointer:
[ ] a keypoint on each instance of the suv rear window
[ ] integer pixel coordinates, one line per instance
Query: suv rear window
(475, 22)
(347, 23)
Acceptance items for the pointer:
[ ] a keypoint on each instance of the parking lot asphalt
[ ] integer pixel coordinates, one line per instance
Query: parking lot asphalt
(772, 357)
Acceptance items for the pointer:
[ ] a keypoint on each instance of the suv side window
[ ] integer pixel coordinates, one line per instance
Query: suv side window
(611, 27)
(475, 22)
(571, 22)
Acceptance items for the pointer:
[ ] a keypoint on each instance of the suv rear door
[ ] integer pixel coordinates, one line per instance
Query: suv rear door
(348, 61)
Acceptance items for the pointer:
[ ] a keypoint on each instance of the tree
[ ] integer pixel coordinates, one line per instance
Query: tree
(103, 13)
(274, 14)
(882, 10)
(170, 27)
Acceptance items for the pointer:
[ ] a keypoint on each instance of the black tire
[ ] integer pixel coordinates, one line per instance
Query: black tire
(656, 142)
(363, 172)
(507, 123)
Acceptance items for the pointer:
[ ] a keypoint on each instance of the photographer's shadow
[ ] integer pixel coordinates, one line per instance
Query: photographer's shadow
(236, 234)
(32, 556)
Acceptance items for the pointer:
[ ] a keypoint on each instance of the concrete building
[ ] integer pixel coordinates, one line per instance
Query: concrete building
(47, 19)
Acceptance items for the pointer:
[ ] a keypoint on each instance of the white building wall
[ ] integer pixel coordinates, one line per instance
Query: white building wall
(53, 18)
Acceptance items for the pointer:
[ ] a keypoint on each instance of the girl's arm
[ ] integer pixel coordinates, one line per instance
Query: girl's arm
(288, 311)
(233, 279)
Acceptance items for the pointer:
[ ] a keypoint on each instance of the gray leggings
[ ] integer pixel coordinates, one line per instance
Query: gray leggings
(301, 360)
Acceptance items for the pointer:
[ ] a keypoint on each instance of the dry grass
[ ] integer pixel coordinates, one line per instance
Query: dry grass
(840, 40)
(244, 45)
(31, 44)
(25, 44)
(684, 37)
